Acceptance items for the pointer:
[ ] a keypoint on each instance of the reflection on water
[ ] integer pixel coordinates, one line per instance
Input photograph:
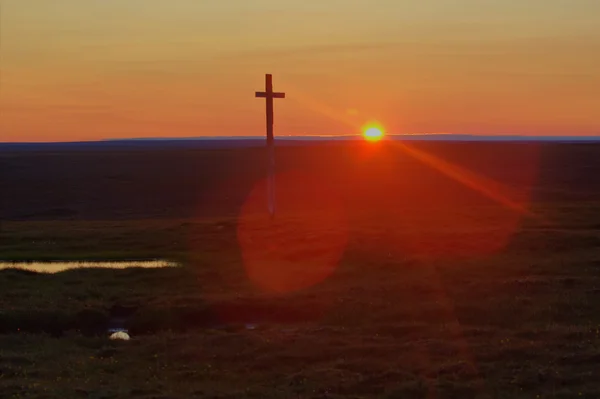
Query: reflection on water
(56, 267)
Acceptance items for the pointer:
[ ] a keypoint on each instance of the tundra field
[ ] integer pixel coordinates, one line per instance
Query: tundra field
(391, 270)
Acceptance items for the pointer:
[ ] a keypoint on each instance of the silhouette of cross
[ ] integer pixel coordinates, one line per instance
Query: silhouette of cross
(270, 95)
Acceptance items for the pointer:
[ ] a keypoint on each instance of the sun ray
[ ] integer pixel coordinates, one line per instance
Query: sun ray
(485, 186)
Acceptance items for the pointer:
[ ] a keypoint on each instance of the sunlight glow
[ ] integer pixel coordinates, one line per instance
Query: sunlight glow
(373, 133)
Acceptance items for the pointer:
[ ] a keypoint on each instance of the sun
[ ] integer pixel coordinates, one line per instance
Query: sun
(373, 133)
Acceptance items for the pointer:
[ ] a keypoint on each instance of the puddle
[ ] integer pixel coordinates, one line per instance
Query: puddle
(57, 267)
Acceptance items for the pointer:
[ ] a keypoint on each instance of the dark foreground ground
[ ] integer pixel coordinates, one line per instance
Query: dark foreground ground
(426, 270)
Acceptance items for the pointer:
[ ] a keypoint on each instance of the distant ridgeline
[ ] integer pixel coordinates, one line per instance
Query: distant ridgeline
(257, 141)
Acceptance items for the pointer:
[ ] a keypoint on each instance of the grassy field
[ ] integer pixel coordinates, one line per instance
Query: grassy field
(429, 271)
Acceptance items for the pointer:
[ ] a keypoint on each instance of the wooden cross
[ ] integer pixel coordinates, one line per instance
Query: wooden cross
(270, 95)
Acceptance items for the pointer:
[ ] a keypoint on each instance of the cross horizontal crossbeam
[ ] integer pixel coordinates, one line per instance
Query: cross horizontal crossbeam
(262, 94)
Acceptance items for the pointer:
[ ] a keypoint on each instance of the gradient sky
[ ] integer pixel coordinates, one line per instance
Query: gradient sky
(95, 69)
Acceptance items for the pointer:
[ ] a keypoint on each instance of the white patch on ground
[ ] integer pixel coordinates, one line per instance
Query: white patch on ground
(120, 335)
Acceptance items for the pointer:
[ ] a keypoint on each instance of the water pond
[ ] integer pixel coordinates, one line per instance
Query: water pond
(57, 267)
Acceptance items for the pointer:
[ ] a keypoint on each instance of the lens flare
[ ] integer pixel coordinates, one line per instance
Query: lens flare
(302, 246)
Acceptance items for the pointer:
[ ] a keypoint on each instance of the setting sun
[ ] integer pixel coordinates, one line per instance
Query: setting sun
(373, 133)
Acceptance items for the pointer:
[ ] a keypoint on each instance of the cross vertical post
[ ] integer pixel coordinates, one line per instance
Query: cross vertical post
(269, 95)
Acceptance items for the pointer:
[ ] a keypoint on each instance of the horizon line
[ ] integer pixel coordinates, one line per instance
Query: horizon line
(409, 136)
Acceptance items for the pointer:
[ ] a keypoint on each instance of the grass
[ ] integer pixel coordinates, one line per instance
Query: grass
(519, 323)
(411, 309)
(308, 362)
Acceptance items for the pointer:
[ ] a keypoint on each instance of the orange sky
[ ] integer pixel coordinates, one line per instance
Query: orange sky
(91, 69)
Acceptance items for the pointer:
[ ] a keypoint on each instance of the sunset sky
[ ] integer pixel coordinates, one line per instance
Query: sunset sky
(97, 69)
